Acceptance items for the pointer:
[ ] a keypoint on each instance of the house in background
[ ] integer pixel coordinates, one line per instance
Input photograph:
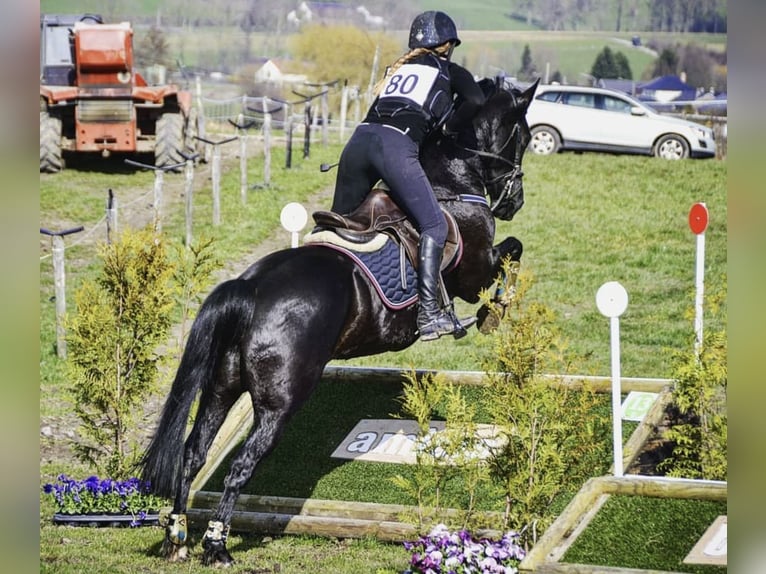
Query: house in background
(269, 73)
(667, 89)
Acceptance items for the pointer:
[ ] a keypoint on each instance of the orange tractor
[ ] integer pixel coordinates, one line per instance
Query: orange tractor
(92, 100)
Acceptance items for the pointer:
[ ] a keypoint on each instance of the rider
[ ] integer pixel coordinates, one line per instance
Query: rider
(414, 98)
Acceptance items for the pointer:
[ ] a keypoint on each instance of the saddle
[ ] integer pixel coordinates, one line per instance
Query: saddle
(378, 214)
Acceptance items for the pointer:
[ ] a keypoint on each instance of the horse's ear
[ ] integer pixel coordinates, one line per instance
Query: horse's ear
(526, 97)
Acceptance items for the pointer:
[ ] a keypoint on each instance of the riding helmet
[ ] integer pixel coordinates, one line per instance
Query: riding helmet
(431, 29)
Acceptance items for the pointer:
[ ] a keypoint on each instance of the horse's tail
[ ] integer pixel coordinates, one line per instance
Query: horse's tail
(222, 319)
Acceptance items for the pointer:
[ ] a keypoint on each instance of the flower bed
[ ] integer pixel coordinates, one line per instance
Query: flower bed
(104, 502)
(443, 552)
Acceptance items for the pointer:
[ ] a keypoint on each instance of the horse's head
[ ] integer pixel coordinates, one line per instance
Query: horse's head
(502, 135)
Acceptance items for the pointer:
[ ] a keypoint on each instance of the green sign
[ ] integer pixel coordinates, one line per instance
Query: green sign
(636, 405)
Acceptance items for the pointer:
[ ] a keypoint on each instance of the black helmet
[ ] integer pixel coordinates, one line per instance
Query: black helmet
(431, 29)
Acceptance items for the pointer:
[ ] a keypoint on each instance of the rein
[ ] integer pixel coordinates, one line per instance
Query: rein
(509, 176)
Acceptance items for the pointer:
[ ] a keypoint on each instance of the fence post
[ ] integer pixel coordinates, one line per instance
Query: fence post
(159, 179)
(307, 116)
(242, 159)
(325, 116)
(343, 107)
(202, 125)
(158, 183)
(59, 282)
(216, 169)
(289, 135)
(111, 216)
(189, 175)
(266, 142)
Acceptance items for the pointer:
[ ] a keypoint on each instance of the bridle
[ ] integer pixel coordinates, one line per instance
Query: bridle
(507, 178)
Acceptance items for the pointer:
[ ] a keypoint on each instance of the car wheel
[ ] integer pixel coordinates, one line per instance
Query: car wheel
(671, 147)
(545, 140)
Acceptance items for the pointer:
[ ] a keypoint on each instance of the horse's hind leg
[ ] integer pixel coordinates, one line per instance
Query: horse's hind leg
(212, 412)
(267, 428)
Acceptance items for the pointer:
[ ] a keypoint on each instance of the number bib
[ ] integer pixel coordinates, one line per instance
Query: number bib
(412, 82)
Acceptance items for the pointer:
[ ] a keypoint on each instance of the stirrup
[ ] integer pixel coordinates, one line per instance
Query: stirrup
(445, 323)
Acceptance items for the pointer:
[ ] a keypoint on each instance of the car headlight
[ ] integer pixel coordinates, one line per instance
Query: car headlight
(703, 133)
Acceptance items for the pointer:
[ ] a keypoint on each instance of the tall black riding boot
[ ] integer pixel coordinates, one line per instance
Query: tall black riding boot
(433, 321)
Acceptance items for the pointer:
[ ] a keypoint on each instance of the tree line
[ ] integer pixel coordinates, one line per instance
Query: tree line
(620, 15)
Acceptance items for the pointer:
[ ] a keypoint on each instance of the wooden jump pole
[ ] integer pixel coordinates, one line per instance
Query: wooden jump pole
(338, 518)
(573, 520)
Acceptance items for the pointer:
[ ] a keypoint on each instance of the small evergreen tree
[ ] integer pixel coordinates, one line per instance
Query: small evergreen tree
(699, 394)
(528, 70)
(153, 49)
(666, 64)
(121, 317)
(604, 66)
(622, 66)
(554, 435)
(549, 438)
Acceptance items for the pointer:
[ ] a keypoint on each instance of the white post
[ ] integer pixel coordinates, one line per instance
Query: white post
(700, 292)
(614, 332)
(266, 142)
(698, 220)
(159, 177)
(189, 174)
(612, 300)
(59, 282)
(216, 169)
(242, 160)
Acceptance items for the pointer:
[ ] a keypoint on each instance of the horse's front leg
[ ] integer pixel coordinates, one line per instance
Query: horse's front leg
(506, 258)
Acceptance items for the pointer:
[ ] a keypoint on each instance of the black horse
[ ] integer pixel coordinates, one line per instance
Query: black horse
(271, 331)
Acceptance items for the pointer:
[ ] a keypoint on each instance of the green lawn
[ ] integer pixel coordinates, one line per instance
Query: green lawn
(588, 219)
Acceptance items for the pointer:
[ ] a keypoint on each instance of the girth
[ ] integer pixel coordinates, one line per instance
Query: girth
(379, 214)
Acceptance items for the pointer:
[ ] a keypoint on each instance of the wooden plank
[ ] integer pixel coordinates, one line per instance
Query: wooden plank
(646, 427)
(206, 500)
(234, 429)
(564, 525)
(559, 568)
(665, 487)
(275, 523)
(393, 374)
(573, 520)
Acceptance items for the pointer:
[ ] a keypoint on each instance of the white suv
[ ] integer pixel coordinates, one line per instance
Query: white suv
(596, 119)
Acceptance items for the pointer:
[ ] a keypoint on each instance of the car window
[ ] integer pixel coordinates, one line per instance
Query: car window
(613, 104)
(581, 100)
(549, 96)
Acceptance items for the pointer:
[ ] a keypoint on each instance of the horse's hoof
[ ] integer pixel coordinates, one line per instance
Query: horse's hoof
(173, 552)
(488, 318)
(214, 544)
(216, 554)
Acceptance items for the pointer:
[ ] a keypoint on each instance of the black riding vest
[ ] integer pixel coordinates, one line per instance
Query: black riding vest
(416, 98)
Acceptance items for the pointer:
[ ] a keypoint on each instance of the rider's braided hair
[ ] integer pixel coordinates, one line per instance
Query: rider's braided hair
(442, 50)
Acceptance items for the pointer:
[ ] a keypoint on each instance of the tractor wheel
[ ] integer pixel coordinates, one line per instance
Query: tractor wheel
(51, 160)
(170, 140)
